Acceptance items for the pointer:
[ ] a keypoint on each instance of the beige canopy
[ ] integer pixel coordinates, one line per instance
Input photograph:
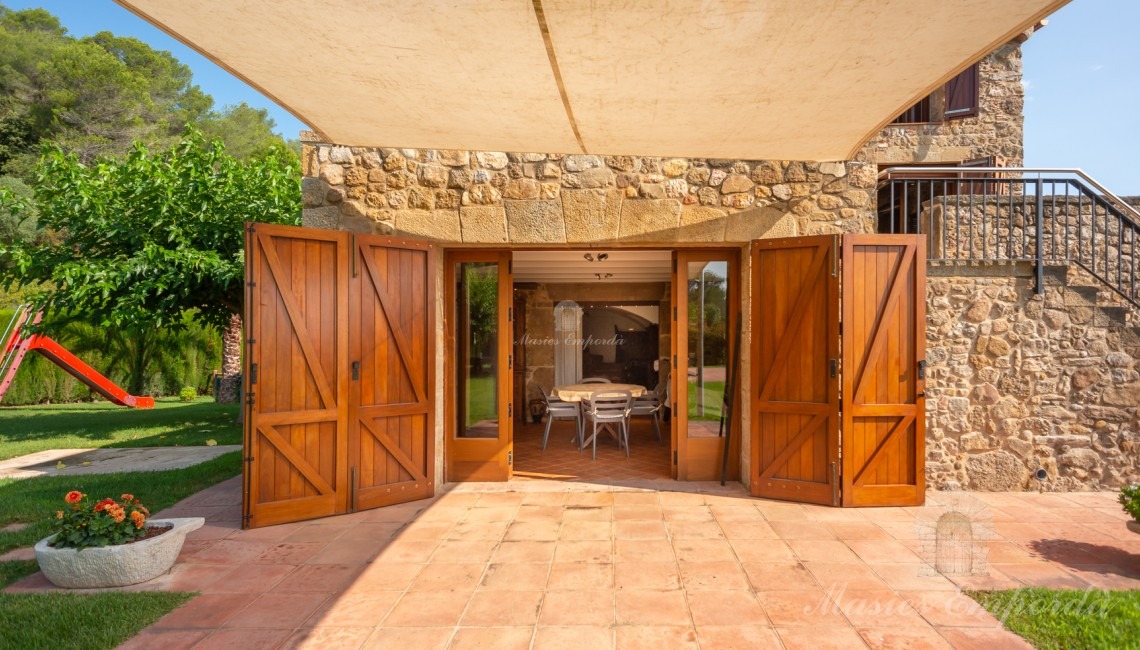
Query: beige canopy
(773, 79)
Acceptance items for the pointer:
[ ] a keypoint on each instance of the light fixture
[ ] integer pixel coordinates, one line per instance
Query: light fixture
(603, 256)
(589, 257)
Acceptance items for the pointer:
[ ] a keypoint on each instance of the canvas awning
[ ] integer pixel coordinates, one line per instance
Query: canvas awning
(773, 79)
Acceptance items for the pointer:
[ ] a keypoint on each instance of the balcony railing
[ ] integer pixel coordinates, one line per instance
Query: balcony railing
(979, 215)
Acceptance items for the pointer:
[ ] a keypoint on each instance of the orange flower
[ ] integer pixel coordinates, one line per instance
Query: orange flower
(143, 510)
(59, 514)
(104, 504)
(73, 497)
(128, 497)
(117, 513)
(138, 519)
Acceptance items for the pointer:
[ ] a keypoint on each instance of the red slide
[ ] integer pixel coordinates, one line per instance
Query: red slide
(17, 346)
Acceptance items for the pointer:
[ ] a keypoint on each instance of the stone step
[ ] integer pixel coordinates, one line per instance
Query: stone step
(1108, 316)
(1081, 296)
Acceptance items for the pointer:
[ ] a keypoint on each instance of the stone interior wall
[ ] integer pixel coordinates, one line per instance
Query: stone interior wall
(1018, 382)
(995, 131)
(533, 198)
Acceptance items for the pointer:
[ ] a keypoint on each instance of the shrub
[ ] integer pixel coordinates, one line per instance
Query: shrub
(188, 393)
(1130, 499)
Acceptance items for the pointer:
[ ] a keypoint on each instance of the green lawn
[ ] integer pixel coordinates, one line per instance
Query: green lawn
(1052, 619)
(84, 622)
(714, 400)
(480, 400)
(27, 429)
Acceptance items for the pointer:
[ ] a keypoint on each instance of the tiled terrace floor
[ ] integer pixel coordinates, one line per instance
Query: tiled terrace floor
(648, 459)
(544, 564)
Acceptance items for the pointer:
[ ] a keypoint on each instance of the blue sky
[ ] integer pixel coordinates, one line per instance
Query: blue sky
(1082, 75)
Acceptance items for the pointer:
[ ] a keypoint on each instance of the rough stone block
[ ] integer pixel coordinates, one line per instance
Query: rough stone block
(535, 222)
(700, 223)
(591, 215)
(649, 220)
(439, 225)
(759, 223)
(483, 224)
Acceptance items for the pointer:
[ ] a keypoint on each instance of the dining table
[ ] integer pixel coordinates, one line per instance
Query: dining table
(580, 392)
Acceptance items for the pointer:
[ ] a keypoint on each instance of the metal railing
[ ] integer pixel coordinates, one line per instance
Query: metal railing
(10, 338)
(1007, 215)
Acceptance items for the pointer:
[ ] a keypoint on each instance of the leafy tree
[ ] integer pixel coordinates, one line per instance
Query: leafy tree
(145, 239)
(247, 131)
(17, 211)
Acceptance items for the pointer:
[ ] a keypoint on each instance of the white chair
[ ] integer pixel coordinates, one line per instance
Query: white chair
(608, 408)
(595, 380)
(651, 404)
(556, 409)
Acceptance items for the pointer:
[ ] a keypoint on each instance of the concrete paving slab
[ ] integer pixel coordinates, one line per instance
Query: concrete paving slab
(74, 462)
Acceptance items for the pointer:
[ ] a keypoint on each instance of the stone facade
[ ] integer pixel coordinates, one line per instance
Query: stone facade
(533, 198)
(1019, 382)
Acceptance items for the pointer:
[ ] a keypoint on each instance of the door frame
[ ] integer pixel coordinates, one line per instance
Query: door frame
(497, 453)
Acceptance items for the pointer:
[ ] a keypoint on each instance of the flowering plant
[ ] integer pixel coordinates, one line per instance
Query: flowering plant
(81, 524)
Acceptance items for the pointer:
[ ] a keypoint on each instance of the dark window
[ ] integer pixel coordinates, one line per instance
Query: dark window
(962, 94)
(920, 112)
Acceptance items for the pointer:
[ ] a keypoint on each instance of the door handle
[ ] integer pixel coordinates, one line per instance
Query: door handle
(922, 369)
(355, 370)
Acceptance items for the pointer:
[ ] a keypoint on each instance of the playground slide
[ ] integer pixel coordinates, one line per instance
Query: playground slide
(16, 347)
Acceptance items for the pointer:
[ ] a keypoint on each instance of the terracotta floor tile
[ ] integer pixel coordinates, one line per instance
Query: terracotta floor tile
(811, 550)
(424, 530)
(496, 638)
(875, 608)
(586, 530)
(691, 513)
(577, 576)
(845, 530)
(848, 575)
(1042, 574)
(289, 553)
(339, 552)
(388, 576)
(814, 530)
(500, 499)
(748, 530)
(780, 576)
(472, 530)
(586, 607)
(587, 513)
(533, 531)
(705, 576)
(544, 499)
(245, 639)
(207, 610)
(251, 578)
(490, 514)
(643, 550)
(647, 607)
(991, 580)
(428, 609)
(502, 608)
(185, 576)
(515, 577)
(727, 607)
(647, 575)
(410, 638)
(1106, 576)
(763, 550)
(584, 551)
(640, 529)
(166, 639)
(370, 533)
(590, 498)
(323, 531)
(278, 610)
(737, 514)
(322, 638)
(449, 514)
(560, 637)
(912, 577)
(737, 637)
(704, 550)
(653, 637)
(323, 578)
(354, 610)
(407, 551)
(638, 512)
(534, 551)
(903, 638)
(802, 607)
(536, 513)
(972, 638)
(949, 608)
(820, 638)
(448, 576)
(228, 551)
(695, 530)
(467, 552)
(880, 551)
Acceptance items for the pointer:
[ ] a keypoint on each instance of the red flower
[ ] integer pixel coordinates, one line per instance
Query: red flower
(128, 497)
(73, 497)
(102, 505)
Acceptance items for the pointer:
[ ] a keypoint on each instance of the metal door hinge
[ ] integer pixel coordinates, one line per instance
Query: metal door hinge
(674, 313)
(510, 362)
(250, 228)
(834, 484)
(248, 459)
(247, 518)
(252, 373)
(250, 341)
(835, 256)
(353, 251)
(833, 367)
(674, 456)
(355, 370)
(674, 362)
(510, 409)
(251, 284)
(249, 398)
(510, 458)
(922, 369)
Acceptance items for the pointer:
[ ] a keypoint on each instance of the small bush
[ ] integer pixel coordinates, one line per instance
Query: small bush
(1130, 499)
(188, 394)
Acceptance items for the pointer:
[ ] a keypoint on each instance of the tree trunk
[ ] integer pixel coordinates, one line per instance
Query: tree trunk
(231, 362)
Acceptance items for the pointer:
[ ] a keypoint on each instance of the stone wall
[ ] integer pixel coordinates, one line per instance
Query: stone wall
(1019, 382)
(533, 198)
(995, 131)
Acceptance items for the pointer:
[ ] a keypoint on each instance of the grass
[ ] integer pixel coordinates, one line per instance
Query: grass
(35, 500)
(714, 400)
(13, 570)
(102, 620)
(27, 429)
(480, 400)
(1052, 619)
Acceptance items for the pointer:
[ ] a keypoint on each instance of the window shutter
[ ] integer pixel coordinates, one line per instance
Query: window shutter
(962, 94)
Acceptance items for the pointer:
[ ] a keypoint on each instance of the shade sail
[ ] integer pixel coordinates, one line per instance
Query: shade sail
(771, 79)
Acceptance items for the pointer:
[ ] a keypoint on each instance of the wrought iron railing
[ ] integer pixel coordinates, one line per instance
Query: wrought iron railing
(974, 215)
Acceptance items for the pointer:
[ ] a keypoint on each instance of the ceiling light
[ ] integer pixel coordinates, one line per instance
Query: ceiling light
(603, 256)
(589, 257)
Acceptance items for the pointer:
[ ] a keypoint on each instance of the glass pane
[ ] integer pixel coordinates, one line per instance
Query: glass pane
(708, 345)
(478, 341)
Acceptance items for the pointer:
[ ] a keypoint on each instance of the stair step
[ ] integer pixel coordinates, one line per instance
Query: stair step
(1081, 296)
(1110, 316)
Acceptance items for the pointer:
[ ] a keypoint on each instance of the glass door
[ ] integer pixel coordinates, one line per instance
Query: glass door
(480, 366)
(707, 300)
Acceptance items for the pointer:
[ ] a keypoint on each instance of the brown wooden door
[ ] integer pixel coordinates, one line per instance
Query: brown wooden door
(296, 355)
(391, 430)
(794, 383)
(884, 337)
(480, 361)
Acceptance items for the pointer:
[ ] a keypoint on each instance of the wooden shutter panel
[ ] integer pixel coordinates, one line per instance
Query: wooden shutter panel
(962, 94)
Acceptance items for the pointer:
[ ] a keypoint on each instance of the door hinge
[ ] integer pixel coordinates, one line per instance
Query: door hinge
(835, 256)
(250, 341)
(510, 267)
(510, 314)
(510, 362)
(249, 398)
(674, 456)
(247, 518)
(352, 251)
(248, 459)
(510, 409)
(355, 370)
(510, 458)
(674, 362)
(833, 366)
(249, 228)
(834, 484)
(674, 264)
(674, 313)
(252, 373)
(922, 369)
(251, 284)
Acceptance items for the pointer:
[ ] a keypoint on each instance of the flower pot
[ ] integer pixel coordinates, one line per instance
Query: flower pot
(116, 566)
(1134, 526)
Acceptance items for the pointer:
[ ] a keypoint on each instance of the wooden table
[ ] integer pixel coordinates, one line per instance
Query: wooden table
(579, 392)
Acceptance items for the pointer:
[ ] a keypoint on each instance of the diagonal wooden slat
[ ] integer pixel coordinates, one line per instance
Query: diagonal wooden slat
(793, 446)
(394, 449)
(393, 324)
(795, 320)
(879, 340)
(877, 455)
(293, 310)
(295, 459)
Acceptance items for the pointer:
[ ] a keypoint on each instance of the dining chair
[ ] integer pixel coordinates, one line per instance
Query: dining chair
(557, 409)
(595, 380)
(608, 407)
(650, 404)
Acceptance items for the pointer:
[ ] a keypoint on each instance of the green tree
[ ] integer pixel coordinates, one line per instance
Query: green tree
(247, 131)
(146, 239)
(17, 211)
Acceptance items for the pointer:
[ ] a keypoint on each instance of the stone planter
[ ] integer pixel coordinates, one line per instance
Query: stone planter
(116, 566)
(1134, 526)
